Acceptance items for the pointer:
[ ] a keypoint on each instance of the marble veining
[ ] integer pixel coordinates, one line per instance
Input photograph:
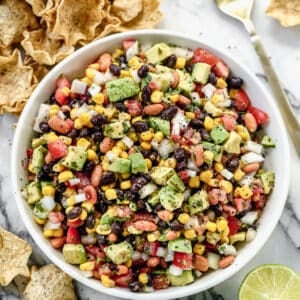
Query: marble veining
(201, 19)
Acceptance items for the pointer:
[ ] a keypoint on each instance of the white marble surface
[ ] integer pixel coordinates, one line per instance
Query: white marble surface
(200, 18)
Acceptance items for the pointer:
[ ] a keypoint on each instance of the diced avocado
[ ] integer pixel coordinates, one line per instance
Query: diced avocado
(216, 149)
(39, 211)
(158, 53)
(153, 199)
(120, 165)
(169, 199)
(198, 202)
(74, 254)
(185, 278)
(114, 130)
(121, 88)
(180, 245)
(176, 183)
(186, 83)
(38, 142)
(201, 72)
(268, 142)
(268, 179)
(38, 159)
(161, 175)
(33, 192)
(162, 78)
(75, 158)
(160, 124)
(119, 253)
(232, 145)
(138, 163)
(219, 134)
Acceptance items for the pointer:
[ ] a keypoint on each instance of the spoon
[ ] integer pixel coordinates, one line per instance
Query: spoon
(241, 10)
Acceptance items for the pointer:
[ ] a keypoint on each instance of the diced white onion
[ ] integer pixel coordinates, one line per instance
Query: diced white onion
(226, 249)
(161, 251)
(148, 207)
(82, 109)
(147, 190)
(88, 239)
(192, 223)
(252, 157)
(183, 52)
(135, 76)
(175, 271)
(42, 116)
(195, 97)
(61, 115)
(186, 194)
(250, 235)
(144, 256)
(165, 148)
(146, 46)
(133, 50)
(197, 273)
(208, 90)
(80, 198)
(108, 76)
(175, 129)
(50, 225)
(148, 289)
(78, 86)
(213, 260)
(227, 174)
(247, 179)
(191, 173)
(169, 256)
(64, 202)
(48, 203)
(250, 217)
(180, 119)
(87, 273)
(111, 156)
(154, 144)
(127, 141)
(136, 255)
(191, 165)
(99, 78)
(253, 147)
(224, 103)
(94, 89)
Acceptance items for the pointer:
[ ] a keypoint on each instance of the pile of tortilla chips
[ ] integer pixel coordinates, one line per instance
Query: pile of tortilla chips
(286, 11)
(47, 282)
(49, 30)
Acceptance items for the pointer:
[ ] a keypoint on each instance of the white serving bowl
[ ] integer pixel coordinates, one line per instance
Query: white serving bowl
(277, 160)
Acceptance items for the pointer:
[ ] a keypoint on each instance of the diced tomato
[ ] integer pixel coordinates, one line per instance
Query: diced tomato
(221, 70)
(29, 152)
(210, 247)
(63, 82)
(175, 138)
(84, 180)
(160, 282)
(153, 86)
(75, 224)
(73, 236)
(184, 176)
(234, 225)
(123, 280)
(151, 248)
(241, 204)
(228, 122)
(261, 202)
(260, 116)
(242, 100)
(183, 261)
(127, 43)
(60, 96)
(202, 55)
(198, 89)
(105, 270)
(57, 149)
(96, 274)
(96, 251)
(134, 107)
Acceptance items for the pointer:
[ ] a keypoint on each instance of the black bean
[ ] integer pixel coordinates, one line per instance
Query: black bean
(235, 82)
(74, 212)
(120, 194)
(189, 68)
(143, 71)
(97, 136)
(43, 176)
(89, 166)
(122, 59)
(204, 134)
(58, 196)
(112, 267)
(72, 133)
(153, 156)
(96, 129)
(135, 286)
(146, 94)
(169, 113)
(84, 132)
(101, 207)
(130, 195)
(196, 123)
(141, 204)
(175, 225)
(81, 230)
(232, 163)
(140, 126)
(181, 166)
(101, 239)
(162, 224)
(120, 106)
(107, 178)
(52, 99)
(60, 187)
(47, 168)
(44, 127)
(212, 78)
(98, 120)
(158, 207)
(101, 196)
(90, 222)
(115, 70)
(180, 154)
(116, 228)
(138, 183)
(171, 61)
(146, 153)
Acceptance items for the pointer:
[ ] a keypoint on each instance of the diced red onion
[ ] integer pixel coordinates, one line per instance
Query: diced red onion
(144, 256)
(191, 173)
(252, 157)
(87, 273)
(227, 174)
(136, 255)
(183, 52)
(135, 76)
(61, 115)
(99, 78)
(169, 256)
(48, 203)
(250, 235)
(208, 90)
(175, 271)
(111, 156)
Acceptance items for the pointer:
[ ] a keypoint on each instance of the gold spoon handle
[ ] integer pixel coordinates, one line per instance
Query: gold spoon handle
(283, 103)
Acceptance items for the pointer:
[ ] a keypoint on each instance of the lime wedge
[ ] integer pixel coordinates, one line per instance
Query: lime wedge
(271, 282)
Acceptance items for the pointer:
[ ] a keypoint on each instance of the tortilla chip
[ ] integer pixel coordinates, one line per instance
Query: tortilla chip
(49, 283)
(286, 11)
(14, 254)
(77, 20)
(44, 50)
(15, 17)
(148, 18)
(5, 51)
(20, 282)
(16, 83)
(126, 10)
(40, 7)
(39, 71)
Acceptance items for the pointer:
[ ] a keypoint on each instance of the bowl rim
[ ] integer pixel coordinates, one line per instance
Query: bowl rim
(125, 293)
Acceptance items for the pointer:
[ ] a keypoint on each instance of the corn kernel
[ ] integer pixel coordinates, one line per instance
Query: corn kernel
(190, 234)
(171, 163)
(95, 66)
(48, 190)
(208, 156)
(111, 194)
(158, 136)
(85, 118)
(213, 237)
(246, 192)
(90, 73)
(124, 154)
(117, 53)
(58, 232)
(51, 137)
(226, 186)
(98, 98)
(218, 167)
(226, 231)
(238, 174)
(99, 109)
(39, 221)
(218, 121)
(238, 237)
(30, 168)
(190, 115)
(71, 200)
(134, 62)
(232, 93)
(87, 266)
(125, 175)
(86, 80)
(206, 176)
(243, 132)
(116, 151)
(48, 233)
(183, 218)
(147, 136)
(236, 192)
(103, 229)
(211, 226)
(143, 278)
(92, 155)
(146, 145)
(208, 123)
(133, 136)
(83, 143)
(156, 96)
(69, 192)
(180, 63)
(66, 91)
(88, 206)
(107, 282)
(109, 112)
(221, 224)
(65, 176)
(58, 207)
(214, 182)
(217, 98)
(77, 124)
(53, 111)
(174, 98)
(198, 249)
(135, 119)
(128, 263)
(153, 236)
(121, 145)
(221, 83)
(194, 182)
(67, 140)
(125, 74)
(83, 216)
(125, 185)
(148, 163)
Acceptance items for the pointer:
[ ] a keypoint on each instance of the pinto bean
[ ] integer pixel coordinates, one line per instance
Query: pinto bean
(96, 176)
(48, 158)
(112, 237)
(56, 217)
(106, 144)
(58, 242)
(200, 263)
(90, 191)
(153, 262)
(171, 235)
(197, 155)
(122, 270)
(165, 215)
(250, 122)
(59, 125)
(145, 225)
(251, 167)
(153, 109)
(104, 61)
(175, 81)
(183, 101)
(229, 209)
(226, 261)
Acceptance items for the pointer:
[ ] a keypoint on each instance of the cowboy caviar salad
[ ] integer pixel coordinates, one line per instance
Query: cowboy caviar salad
(147, 172)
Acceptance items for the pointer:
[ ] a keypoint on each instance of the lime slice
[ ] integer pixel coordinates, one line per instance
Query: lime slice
(271, 282)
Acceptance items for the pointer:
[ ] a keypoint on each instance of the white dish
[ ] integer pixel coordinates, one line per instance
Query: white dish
(277, 160)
